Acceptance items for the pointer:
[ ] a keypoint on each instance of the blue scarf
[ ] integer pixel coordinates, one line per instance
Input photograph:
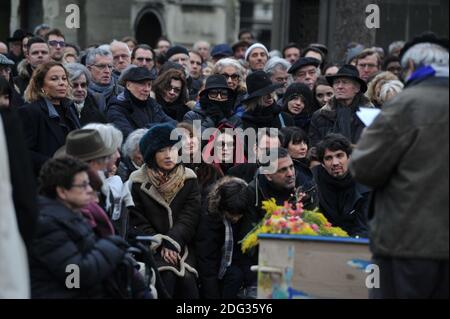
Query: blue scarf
(105, 90)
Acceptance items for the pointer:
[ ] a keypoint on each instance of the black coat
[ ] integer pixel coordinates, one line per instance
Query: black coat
(343, 201)
(93, 110)
(128, 116)
(260, 119)
(199, 114)
(259, 190)
(209, 243)
(174, 225)
(22, 181)
(305, 179)
(65, 238)
(44, 131)
(245, 171)
(175, 110)
(326, 120)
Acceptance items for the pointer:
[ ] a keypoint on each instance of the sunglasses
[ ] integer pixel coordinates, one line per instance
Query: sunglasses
(234, 77)
(144, 59)
(55, 43)
(174, 89)
(215, 93)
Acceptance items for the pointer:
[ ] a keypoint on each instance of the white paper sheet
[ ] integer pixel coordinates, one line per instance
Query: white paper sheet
(368, 115)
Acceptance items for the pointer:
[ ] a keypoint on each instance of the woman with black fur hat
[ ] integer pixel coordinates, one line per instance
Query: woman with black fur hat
(261, 109)
(167, 207)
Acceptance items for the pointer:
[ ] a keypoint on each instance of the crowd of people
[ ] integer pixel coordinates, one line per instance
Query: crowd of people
(90, 158)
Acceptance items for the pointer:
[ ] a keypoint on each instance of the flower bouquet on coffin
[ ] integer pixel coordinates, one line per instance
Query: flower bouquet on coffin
(290, 219)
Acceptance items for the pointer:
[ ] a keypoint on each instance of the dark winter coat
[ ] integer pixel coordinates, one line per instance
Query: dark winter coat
(65, 238)
(199, 114)
(270, 117)
(246, 171)
(403, 155)
(304, 179)
(45, 132)
(176, 110)
(174, 225)
(209, 243)
(128, 116)
(93, 110)
(327, 120)
(259, 190)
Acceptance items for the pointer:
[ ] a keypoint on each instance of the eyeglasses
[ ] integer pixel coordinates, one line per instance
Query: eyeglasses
(55, 43)
(215, 93)
(84, 185)
(103, 66)
(144, 59)
(234, 77)
(174, 89)
(196, 63)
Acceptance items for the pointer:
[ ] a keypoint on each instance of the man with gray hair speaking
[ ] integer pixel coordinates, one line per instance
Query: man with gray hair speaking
(403, 156)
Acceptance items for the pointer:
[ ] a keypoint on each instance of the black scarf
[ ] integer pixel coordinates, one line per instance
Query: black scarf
(216, 110)
(134, 100)
(269, 190)
(337, 197)
(345, 115)
(262, 116)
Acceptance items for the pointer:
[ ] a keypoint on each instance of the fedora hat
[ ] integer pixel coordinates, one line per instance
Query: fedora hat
(84, 144)
(350, 72)
(259, 84)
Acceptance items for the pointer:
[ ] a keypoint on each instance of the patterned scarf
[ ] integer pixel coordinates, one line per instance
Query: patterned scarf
(227, 249)
(167, 185)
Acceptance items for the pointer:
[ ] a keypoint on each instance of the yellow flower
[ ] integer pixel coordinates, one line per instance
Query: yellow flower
(315, 218)
(270, 206)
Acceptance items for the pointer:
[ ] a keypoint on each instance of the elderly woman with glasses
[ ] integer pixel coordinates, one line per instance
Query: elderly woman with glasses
(215, 109)
(90, 106)
(171, 93)
(235, 74)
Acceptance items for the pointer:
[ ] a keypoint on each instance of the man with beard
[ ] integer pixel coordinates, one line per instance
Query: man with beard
(343, 201)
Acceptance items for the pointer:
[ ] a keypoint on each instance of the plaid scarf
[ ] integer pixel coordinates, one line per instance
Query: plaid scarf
(168, 185)
(227, 249)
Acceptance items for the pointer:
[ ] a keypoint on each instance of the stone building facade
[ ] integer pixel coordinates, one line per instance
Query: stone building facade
(182, 21)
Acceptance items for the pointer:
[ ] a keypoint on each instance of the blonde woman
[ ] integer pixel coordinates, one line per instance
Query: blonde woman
(49, 115)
